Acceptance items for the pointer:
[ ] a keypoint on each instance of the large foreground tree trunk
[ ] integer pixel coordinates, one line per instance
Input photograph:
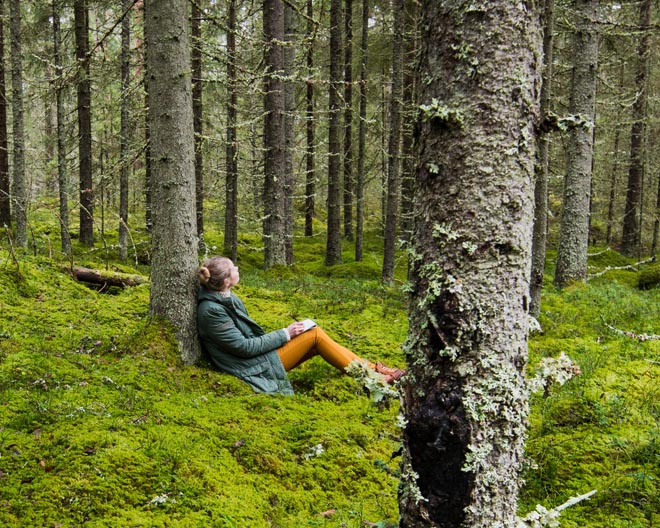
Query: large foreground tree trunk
(465, 396)
(174, 227)
(574, 223)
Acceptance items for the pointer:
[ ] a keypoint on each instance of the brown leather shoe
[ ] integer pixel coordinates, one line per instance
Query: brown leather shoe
(391, 374)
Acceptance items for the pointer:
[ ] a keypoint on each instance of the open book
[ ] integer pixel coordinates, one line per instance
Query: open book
(308, 324)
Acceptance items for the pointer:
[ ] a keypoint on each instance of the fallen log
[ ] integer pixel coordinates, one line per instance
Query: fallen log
(105, 279)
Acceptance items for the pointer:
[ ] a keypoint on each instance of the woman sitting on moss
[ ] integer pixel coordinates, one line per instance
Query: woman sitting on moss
(237, 345)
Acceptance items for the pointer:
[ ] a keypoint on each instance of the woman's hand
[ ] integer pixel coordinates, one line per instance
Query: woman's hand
(295, 329)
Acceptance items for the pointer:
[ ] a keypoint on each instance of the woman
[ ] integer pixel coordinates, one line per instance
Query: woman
(237, 345)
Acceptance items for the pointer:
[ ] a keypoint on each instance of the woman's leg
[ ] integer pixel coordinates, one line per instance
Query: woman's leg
(309, 344)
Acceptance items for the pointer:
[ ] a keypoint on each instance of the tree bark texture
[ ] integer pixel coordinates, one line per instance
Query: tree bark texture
(274, 136)
(310, 169)
(393, 146)
(333, 241)
(362, 134)
(84, 87)
(465, 396)
(411, 44)
(540, 234)
(290, 29)
(574, 222)
(174, 236)
(20, 198)
(5, 178)
(348, 120)
(125, 129)
(62, 174)
(230, 242)
(196, 59)
(632, 225)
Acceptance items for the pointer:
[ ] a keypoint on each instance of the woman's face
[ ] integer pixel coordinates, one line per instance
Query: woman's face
(234, 277)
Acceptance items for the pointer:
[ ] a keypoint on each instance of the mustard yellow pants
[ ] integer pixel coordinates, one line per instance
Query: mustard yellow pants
(315, 342)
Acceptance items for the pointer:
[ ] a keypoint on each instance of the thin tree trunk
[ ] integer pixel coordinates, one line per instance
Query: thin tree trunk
(631, 234)
(465, 398)
(310, 170)
(20, 184)
(393, 146)
(230, 243)
(196, 58)
(174, 242)
(656, 224)
(574, 223)
(5, 178)
(62, 177)
(348, 120)
(362, 134)
(540, 233)
(408, 111)
(124, 134)
(333, 244)
(290, 22)
(84, 86)
(274, 136)
(615, 166)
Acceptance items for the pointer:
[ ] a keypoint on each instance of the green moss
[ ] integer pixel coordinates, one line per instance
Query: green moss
(103, 425)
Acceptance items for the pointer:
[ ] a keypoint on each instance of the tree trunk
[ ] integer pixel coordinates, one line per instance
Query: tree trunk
(290, 21)
(124, 135)
(5, 178)
(274, 136)
(362, 134)
(574, 223)
(230, 243)
(62, 177)
(540, 236)
(411, 44)
(656, 223)
(333, 244)
(632, 228)
(174, 252)
(20, 185)
(465, 397)
(310, 171)
(148, 195)
(348, 120)
(84, 85)
(615, 165)
(393, 146)
(196, 59)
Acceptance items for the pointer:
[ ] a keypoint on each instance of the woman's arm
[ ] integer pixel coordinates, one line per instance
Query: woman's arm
(220, 329)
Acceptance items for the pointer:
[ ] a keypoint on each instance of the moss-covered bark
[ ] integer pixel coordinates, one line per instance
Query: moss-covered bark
(465, 398)
(574, 229)
(174, 259)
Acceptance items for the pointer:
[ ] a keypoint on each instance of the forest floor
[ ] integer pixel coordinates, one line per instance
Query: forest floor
(101, 425)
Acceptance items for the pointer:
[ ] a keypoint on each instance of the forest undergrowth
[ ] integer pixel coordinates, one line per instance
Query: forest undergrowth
(101, 425)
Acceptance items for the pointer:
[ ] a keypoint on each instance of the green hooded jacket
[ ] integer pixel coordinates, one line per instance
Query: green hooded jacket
(237, 345)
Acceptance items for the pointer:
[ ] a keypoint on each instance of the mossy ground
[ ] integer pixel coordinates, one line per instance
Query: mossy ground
(101, 424)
